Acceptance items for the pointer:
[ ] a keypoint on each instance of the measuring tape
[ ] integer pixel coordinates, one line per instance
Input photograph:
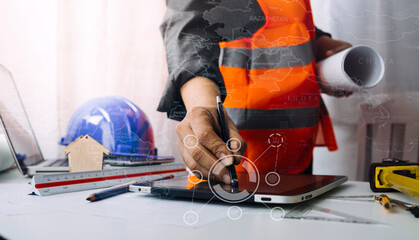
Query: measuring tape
(79, 181)
(302, 210)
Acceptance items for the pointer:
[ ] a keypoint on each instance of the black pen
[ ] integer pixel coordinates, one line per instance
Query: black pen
(120, 189)
(225, 137)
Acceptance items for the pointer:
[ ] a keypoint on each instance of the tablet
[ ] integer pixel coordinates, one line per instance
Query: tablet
(263, 188)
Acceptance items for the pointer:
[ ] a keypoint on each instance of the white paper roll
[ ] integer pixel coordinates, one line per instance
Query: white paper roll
(354, 68)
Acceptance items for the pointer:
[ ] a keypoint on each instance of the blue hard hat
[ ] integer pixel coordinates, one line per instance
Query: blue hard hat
(116, 123)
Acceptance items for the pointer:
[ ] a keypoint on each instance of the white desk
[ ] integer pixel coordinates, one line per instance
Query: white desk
(137, 216)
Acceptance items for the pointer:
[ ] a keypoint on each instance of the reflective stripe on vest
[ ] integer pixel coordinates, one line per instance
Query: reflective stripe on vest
(265, 58)
(274, 119)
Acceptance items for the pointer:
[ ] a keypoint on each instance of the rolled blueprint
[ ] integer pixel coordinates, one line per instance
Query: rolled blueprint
(354, 68)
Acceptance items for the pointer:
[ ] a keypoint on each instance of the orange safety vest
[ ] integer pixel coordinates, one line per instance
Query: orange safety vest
(272, 92)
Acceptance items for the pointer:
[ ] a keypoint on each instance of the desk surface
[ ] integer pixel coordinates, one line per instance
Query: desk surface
(137, 216)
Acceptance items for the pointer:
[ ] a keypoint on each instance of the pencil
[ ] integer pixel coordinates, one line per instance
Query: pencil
(113, 191)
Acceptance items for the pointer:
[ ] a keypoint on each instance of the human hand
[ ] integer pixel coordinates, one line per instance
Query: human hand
(201, 147)
(326, 47)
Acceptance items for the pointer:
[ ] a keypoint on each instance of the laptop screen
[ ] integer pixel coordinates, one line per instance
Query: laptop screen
(16, 124)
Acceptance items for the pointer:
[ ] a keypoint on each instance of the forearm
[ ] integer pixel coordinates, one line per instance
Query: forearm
(199, 92)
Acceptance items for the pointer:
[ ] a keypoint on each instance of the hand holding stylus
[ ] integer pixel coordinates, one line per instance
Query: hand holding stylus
(198, 133)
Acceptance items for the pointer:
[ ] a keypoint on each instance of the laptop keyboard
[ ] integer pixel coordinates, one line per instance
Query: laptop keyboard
(58, 163)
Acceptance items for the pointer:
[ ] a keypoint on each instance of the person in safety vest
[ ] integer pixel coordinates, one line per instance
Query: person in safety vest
(259, 56)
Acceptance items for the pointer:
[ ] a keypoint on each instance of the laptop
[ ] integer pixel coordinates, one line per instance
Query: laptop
(24, 146)
(283, 189)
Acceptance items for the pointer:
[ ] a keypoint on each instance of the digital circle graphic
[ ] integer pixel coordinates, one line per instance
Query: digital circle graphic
(228, 145)
(228, 193)
(275, 140)
(190, 141)
(195, 173)
(190, 217)
(272, 179)
(277, 214)
(234, 212)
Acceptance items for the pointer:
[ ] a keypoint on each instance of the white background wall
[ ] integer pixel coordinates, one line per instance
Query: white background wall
(28, 49)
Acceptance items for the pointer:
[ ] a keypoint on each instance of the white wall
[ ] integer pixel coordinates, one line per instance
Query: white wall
(28, 48)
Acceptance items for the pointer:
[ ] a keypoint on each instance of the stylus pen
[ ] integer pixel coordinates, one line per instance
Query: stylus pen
(225, 137)
(120, 189)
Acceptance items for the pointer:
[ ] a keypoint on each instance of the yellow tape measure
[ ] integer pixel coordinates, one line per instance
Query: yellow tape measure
(395, 174)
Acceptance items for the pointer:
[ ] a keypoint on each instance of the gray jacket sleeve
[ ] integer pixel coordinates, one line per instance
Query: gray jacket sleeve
(191, 50)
